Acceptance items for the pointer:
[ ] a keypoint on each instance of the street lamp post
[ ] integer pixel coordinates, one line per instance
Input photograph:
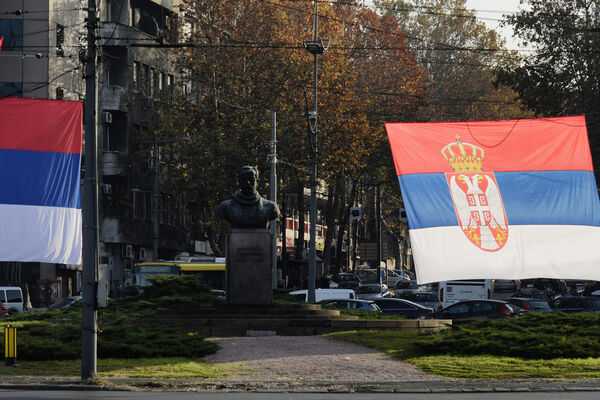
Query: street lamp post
(315, 47)
(156, 143)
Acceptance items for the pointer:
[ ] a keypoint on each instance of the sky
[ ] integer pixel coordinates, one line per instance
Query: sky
(490, 11)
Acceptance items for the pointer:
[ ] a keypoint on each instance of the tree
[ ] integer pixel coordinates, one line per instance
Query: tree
(561, 76)
(459, 54)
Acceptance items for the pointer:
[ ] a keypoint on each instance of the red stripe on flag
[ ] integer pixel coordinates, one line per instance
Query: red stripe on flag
(41, 125)
(544, 144)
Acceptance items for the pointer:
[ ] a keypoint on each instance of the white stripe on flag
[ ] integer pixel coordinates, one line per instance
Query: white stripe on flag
(532, 251)
(44, 234)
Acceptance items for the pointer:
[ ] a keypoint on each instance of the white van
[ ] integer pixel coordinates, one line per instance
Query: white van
(451, 292)
(324, 294)
(12, 298)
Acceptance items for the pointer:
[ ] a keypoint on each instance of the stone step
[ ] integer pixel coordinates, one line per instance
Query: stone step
(251, 311)
(291, 326)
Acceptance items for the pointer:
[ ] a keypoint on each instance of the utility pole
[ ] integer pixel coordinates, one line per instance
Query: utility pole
(273, 194)
(315, 47)
(90, 206)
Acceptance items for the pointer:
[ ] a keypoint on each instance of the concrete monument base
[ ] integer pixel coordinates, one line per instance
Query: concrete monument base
(249, 266)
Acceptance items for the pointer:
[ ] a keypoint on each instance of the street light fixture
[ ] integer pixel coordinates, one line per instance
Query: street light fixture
(156, 143)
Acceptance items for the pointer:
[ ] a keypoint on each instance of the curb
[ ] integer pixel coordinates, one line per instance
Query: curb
(200, 385)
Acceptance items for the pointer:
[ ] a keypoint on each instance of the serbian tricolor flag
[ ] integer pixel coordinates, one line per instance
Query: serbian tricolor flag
(40, 187)
(510, 199)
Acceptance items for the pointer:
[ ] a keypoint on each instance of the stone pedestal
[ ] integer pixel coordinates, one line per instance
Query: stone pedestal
(249, 266)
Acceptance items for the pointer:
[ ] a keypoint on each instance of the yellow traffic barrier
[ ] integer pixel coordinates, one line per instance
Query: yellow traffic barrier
(10, 345)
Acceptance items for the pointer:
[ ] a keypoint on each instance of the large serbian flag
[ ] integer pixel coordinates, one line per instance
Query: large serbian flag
(40, 188)
(508, 199)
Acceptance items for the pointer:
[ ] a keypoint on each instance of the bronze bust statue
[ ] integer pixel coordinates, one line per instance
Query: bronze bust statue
(247, 209)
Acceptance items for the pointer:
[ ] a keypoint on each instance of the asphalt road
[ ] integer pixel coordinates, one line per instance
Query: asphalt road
(111, 395)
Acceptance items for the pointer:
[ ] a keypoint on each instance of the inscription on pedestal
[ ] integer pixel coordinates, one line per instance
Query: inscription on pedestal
(249, 266)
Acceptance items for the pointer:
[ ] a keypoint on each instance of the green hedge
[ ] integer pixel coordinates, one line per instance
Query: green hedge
(534, 335)
(56, 335)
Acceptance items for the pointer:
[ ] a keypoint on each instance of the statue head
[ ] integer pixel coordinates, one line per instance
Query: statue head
(248, 180)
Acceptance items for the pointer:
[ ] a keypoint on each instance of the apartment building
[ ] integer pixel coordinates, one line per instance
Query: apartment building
(43, 56)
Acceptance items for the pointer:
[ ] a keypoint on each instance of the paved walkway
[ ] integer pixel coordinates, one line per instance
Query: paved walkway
(310, 358)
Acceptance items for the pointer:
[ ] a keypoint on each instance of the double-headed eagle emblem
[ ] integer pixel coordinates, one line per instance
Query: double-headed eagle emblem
(476, 196)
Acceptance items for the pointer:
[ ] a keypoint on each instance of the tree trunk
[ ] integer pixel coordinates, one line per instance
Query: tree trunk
(301, 212)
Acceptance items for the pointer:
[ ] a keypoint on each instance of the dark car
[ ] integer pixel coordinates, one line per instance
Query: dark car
(426, 299)
(530, 305)
(476, 309)
(405, 287)
(3, 311)
(348, 281)
(536, 295)
(572, 304)
(351, 304)
(405, 308)
(505, 285)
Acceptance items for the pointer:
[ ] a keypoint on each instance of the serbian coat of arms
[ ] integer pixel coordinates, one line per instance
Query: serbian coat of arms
(476, 197)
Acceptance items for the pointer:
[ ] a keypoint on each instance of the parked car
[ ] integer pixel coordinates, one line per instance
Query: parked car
(59, 305)
(367, 275)
(357, 305)
(388, 276)
(530, 305)
(468, 310)
(372, 291)
(535, 295)
(403, 307)
(3, 311)
(324, 294)
(405, 287)
(347, 281)
(426, 299)
(572, 304)
(505, 285)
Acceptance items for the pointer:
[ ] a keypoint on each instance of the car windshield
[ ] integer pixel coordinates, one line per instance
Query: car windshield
(369, 289)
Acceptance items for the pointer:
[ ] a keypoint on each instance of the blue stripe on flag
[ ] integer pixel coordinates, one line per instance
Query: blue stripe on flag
(38, 178)
(530, 198)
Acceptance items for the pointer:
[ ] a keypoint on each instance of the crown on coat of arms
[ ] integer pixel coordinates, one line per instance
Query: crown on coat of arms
(463, 157)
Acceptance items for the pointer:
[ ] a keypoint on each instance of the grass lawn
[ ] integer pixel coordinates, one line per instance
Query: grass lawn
(157, 368)
(402, 345)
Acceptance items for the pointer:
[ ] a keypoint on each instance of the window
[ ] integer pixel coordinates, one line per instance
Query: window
(115, 138)
(458, 309)
(11, 89)
(11, 31)
(146, 79)
(60, 40)
(60, 93)
(13, 296)
(136, 74)
(482, 307)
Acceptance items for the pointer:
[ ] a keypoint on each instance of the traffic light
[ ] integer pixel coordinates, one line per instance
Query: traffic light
(355, 213)
(402, 214)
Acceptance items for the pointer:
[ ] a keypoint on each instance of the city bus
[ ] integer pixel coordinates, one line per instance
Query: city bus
(451, 292)
(212, 272)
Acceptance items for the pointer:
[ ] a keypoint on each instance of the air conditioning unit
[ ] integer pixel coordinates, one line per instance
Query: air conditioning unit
(107, 117)
(127, 251)
(142, 254)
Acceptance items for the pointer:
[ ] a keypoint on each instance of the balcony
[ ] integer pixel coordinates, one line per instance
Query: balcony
(113, 98)
(114, 163)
